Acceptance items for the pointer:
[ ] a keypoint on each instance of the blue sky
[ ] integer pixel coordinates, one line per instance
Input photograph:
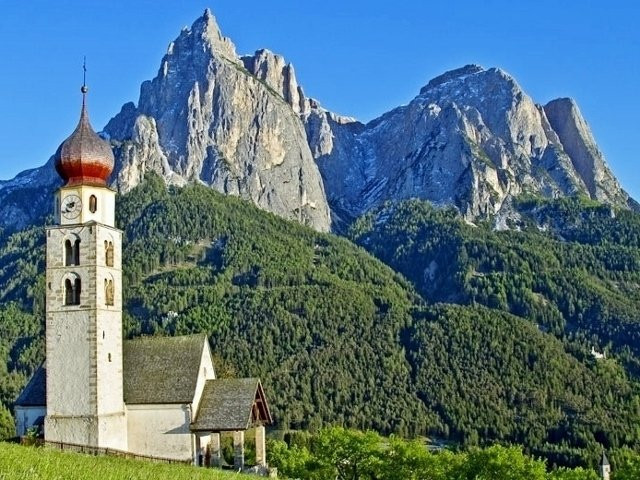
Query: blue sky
(359, 58)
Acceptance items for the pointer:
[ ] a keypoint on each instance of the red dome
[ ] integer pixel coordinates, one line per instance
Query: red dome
(84, 157)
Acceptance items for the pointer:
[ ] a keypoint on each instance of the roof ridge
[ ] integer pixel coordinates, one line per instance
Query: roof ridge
(152, 337)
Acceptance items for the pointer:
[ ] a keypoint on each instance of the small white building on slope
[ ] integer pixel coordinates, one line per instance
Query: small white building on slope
(153, 396)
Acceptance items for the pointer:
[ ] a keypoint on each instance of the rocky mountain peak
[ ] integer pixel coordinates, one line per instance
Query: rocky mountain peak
(206, 30)
(473, 83)
(578, 142)
(279, 75)
(207, 117)
(451, 75)
(472, 138)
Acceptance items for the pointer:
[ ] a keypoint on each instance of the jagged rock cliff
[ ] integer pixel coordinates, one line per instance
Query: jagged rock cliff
(472, 138)
(242, 125)
(578, 142)
(207, 118)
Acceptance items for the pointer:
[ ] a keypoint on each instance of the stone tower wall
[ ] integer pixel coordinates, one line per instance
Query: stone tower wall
(84, 342)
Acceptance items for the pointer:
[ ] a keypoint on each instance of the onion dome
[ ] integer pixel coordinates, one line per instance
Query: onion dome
(84, 157)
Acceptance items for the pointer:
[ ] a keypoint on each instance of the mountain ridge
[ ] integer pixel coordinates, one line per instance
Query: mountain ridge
(471, 138)
(242, 124)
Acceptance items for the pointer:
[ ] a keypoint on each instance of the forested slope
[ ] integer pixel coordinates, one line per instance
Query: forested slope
(571, 266)
(339, 337)
(569, 269)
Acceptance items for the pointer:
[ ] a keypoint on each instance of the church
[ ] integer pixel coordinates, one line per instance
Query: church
(151, 396)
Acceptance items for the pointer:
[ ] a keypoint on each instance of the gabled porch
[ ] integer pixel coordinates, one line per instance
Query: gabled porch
(233, 405)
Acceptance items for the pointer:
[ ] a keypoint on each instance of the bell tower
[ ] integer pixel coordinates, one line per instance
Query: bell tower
(84, 298)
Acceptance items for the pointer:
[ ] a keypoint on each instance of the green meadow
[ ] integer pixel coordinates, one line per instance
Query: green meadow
(20, 463)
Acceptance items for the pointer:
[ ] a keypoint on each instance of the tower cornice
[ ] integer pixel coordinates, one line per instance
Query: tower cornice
(74, 226)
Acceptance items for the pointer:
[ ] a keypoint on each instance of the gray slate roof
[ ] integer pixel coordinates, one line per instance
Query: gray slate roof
(162, 369)
(156, 370)
(35, 393)
(228, 403)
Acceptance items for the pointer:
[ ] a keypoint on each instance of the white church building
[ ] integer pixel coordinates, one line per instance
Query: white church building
(151, 396)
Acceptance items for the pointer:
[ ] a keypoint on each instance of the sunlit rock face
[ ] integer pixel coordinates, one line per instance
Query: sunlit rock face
(578, 142)
(471, 138)
(207, 118)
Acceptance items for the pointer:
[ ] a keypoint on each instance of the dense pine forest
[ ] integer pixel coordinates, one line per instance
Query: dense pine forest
(457, 332)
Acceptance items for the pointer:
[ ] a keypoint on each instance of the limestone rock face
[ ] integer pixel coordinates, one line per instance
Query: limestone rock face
(578, 142)
(472, 138)
(277, 75)
(229, 122)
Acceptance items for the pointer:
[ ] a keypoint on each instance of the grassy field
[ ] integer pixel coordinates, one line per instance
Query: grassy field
(17, 462)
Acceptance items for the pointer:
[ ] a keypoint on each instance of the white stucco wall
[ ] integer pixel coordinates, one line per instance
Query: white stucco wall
(105, 211)
(112, 431)
(70, 330)
(205, 372)
(26, 416)
(77, 430)
(69, 391)
(160, 431)
(109, 363)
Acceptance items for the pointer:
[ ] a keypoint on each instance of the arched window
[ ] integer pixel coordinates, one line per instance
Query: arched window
(108, 253)
(77, 289)
(72, 252)
(93, 204)
(108, 291)
(72, 289)
(68, 253)
(76, 252)
(68, 292)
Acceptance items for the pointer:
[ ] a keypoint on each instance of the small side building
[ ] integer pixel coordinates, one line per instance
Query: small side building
(31, 406)
(231, 405)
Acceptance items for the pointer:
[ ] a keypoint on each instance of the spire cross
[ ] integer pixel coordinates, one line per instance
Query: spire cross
(84, 89)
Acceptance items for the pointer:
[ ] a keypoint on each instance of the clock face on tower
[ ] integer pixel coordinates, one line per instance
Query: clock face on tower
(71, 207)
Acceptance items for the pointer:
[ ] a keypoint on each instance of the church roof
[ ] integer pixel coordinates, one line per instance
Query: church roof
(156, 370)
(162, 369)
(231, 404)
(35, 393)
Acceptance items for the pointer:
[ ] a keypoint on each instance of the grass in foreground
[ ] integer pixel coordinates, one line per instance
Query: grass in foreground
(18, 462)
